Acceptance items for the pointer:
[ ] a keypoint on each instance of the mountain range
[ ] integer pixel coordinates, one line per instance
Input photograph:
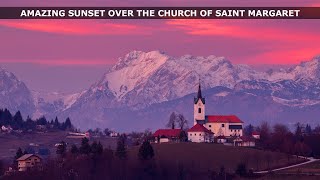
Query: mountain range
(142, 89)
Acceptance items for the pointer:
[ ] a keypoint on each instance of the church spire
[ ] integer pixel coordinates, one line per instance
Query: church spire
(199, 91)
(199, 95)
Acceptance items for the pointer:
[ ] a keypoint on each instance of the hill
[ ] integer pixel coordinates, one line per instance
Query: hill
(201, 157)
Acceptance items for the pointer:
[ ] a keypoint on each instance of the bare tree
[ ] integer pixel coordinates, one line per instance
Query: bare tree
(182, 122)
(172, 121)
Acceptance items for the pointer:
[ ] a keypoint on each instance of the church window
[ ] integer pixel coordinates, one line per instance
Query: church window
(209, 125)
(231, 130)
(199, 110)
(195, 134)
(190, 134)
(222, 125)
(199, 134)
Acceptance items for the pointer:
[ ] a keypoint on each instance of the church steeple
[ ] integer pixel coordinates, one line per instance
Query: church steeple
(199, 107)
(199, 95)
(199, 92)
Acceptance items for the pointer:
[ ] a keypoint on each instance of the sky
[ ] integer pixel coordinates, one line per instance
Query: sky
(69, 55)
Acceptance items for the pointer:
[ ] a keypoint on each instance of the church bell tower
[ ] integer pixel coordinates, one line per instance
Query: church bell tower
(199, 108)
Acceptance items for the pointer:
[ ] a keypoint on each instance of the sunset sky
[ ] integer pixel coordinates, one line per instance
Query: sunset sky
(79, 51)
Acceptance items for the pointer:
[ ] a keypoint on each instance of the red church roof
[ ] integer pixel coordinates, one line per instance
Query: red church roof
(167, 132)
(223, 119)
(199, 128)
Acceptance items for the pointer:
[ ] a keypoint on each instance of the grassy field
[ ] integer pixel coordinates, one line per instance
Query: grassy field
(204, 157)
(10, 143)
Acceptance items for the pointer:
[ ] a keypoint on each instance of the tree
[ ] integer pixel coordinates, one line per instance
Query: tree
(67, 124)
(56, 123)
(85, 146)
(183, 136)
(182, 122)
(146, 151)
(248, 130)
(25, 152)
(121, 151)
(74, 149)
(17, 121)
(241, 169)
(96, 148)
(298, 132)
(172, 121)
(308, 129)
(265, 132)
(19, 153)
(61, 149)
(107, 132)
(42, 121)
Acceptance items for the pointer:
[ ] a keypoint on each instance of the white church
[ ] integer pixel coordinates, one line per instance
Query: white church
(206, 127)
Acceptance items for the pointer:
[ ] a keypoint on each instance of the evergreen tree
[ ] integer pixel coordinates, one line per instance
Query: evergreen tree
(67, 124)
(42, 121)
(121, 151)
(17, 121)
(30, 124)
(62, 149)
(74, 149)
(248, 130)
(96, 148)
(19, 153)
(25, 152)
(308, 129)
(85, 146)
(56, 123)
(146, 151)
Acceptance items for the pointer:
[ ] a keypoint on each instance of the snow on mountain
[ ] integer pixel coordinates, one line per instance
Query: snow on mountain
(14, 94)
(145, 86)
(305, 70)
(52, 103)
(143, 78)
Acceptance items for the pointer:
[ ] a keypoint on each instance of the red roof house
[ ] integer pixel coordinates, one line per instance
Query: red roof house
(169, 133)
(199, 128)
(223, 119)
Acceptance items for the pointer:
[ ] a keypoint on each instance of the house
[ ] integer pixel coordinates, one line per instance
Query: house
(167, 135)
(220, 125)
(28, 161)
(244, 141)
(221, 139)
(7, 129)
(198, 133)
(256, 135)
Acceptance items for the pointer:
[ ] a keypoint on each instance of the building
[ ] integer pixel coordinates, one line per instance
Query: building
(167, 135)
(220, 125)
(28, 161)
(221, 139)
(244, 141)
(198, 133)
(256, 135)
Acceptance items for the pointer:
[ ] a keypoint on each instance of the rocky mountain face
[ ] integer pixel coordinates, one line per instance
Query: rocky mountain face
(143, 88)
(14, 94)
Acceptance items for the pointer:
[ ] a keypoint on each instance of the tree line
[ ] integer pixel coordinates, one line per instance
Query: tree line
(302, 141)
(16, 122)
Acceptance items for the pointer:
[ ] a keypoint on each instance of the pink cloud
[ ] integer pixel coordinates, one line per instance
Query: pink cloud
(239, 29)
(76, 27)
